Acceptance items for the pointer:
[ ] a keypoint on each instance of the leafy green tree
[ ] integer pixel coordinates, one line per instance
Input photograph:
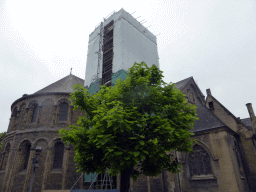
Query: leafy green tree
(129, 128)
(2, 135)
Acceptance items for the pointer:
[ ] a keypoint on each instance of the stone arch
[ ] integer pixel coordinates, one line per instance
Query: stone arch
(41, 142)
(202, 144)
(54, 157)
(24, 154)
(31, 103)
(4, 156)
(63, 100)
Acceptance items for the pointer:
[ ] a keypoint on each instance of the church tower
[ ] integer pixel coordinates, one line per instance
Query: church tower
(114, 46)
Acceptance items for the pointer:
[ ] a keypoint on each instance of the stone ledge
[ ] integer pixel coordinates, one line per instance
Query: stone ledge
(56, 171)
(23, 172)
(202, 177)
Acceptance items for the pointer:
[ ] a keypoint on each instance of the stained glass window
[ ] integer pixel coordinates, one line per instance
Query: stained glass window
(199, 161)
(63, 113)
(58, 155)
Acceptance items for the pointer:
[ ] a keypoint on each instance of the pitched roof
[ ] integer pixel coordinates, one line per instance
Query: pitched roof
(247, 122)
(63, 85)
(181, 84)
(207, 119)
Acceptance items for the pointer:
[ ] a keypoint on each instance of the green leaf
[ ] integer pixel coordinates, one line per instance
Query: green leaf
(110, 150)
(145, 151)
(127, 158)
(132, 137)
(141, 142)
(110, 123)
(119, 153)
(136, 153)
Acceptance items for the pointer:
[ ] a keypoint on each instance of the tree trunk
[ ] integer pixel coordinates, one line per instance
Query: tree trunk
(125, 180)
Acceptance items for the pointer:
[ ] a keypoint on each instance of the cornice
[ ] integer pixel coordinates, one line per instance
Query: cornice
(217, 129)
(37, 95)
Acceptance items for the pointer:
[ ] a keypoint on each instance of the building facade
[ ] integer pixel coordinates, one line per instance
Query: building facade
(224, 157)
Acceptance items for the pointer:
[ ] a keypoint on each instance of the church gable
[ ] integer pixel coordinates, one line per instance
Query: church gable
(191, 90)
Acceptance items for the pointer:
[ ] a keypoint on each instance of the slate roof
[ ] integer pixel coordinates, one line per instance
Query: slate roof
(207, 119)
(181, 84)
(63, 85)
(247, 122)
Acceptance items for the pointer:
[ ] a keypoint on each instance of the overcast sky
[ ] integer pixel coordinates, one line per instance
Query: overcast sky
(214, 41)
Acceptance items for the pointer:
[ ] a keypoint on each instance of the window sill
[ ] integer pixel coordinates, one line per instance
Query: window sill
(56, 171)
(24, 171)
(202, 177)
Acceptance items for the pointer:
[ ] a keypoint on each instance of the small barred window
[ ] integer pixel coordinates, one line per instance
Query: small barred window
(63, 113)
(199, 161)
(35, 110)
(58, 155)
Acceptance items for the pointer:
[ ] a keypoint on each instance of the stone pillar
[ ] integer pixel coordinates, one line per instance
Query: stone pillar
(26, 116)
(47, 167)
(70, 114)
(29, 170)
(54, 117)
(65, 165)
(38, 115)
(17, 118)
(8, 170)
(252, 116)
(227, 180)
(12, 172)
(29, 116)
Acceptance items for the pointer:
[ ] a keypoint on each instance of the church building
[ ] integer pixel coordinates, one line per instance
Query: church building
(224, 157)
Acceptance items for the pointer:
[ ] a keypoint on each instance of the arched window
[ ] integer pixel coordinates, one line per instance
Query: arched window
(63, 113)
(26, 153)
(34, 115)
(199, 161)
(58, 155)
(5, 157)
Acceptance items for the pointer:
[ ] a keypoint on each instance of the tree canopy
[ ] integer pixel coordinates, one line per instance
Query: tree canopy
(135, 122)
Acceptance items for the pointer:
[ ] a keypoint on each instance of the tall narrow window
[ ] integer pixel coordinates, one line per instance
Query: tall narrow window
(58, 155)
(26, 155)
(199, 161)
(35, 109)
(63, 113)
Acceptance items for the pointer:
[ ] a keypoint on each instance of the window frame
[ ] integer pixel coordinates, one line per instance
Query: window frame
(202, 175)
(59, 112)
(56, 164)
